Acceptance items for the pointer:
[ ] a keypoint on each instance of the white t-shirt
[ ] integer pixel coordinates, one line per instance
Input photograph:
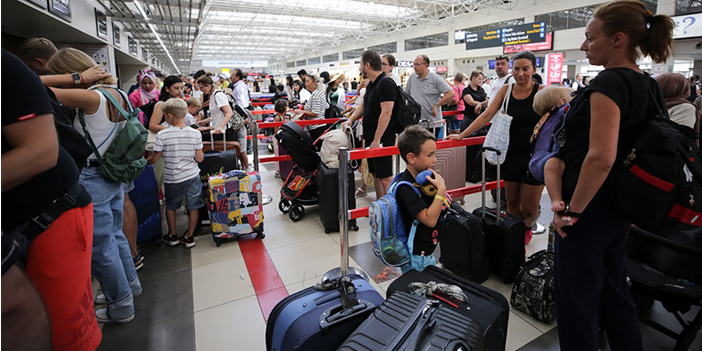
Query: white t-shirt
(396, 78)
(188, 120)
(683, 114)
(496, 85)
(197, 94)
(102, 130)
(178, 145)
(304, 95)
(359, 99)
(217, 101)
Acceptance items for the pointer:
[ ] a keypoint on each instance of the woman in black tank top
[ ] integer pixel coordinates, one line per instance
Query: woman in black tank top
(522, 190)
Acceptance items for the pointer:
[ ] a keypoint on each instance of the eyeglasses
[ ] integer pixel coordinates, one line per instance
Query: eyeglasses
(420, 63)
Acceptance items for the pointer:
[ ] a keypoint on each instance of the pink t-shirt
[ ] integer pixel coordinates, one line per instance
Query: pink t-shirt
(458, 91)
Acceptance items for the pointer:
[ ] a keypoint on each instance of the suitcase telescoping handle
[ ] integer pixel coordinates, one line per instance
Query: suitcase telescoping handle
(499, 194)
(224, 137)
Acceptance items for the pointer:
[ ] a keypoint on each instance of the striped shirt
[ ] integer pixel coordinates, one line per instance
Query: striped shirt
(178, 145)
(317, 104)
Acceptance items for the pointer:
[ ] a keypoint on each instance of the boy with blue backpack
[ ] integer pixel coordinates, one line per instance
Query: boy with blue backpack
(420, 208)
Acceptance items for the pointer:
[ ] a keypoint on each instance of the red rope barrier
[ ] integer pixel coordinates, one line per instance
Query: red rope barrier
(300, 122)
(473, 189)
(392, 150)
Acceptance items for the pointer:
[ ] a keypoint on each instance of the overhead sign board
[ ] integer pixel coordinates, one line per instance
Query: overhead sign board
(520, 34)
(233, 63)
(688, 26)
(546, 45)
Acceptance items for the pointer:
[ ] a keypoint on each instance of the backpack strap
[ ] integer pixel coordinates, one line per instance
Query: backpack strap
(118, 106)
(415, 222)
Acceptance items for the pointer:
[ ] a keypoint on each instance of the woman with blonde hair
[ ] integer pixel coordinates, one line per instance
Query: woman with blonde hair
(112, 263)
(590, 285)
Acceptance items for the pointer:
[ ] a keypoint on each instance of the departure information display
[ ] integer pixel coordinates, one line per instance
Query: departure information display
(514, 35)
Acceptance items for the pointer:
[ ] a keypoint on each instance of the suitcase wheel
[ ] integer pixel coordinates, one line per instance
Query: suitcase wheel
(217, 241)
(297, 212)
(284, 205)
(354, 228)
(327, 231)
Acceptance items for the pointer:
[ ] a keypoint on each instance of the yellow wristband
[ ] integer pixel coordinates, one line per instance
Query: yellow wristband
(443, 199)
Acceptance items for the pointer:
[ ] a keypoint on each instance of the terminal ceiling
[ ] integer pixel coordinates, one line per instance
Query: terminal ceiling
(181, 33)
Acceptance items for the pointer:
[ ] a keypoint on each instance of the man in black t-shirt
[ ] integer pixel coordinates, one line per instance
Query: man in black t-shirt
(36, 171)
(376, 109)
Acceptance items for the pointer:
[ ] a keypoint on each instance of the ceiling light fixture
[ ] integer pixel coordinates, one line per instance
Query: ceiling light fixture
(158, 37)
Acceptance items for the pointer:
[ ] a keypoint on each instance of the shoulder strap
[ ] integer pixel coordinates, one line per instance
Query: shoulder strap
(395, 185)
(116, 104)
(81, 118)
(505, 101)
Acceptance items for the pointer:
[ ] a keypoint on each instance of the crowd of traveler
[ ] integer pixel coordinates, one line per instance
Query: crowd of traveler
(91, 227)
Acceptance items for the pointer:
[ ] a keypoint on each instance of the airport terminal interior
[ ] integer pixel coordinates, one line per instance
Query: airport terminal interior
(219, 297)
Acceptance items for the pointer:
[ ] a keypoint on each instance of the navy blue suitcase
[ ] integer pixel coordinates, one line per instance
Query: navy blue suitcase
(316, 320)
(145, 199)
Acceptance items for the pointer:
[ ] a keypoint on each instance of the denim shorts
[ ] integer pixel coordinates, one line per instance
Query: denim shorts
(191, 189)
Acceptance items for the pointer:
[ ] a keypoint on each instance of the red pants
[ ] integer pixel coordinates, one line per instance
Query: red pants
(59, 267)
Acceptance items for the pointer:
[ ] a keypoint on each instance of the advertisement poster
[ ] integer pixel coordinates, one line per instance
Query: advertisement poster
(554, 69)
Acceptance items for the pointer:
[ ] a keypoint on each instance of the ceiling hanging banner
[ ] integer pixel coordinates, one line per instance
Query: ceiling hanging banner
(234, 63)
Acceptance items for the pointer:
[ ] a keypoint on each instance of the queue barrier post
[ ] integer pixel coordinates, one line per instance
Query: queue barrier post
(344, 217)
(266, 199)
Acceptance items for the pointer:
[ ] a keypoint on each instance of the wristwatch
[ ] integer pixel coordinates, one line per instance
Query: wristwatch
(570, 213)
(77, 79)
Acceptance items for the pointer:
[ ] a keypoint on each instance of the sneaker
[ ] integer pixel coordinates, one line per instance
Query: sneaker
(188, 242)
(170, 240)
(102, 317)
(100, 300)
(538, 228)
(138, 261)
(527, 236)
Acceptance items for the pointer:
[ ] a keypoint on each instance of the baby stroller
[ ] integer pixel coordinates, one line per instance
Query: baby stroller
(667, 268)
(300, 187)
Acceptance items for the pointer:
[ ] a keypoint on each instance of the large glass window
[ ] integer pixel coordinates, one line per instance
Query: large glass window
(314, 60)
(430, 41)
(460, 39)
(354, 54)
(291, 64)
(301, 63)
(684, 7)
(573, 18)
(331, 57)
(387, 48)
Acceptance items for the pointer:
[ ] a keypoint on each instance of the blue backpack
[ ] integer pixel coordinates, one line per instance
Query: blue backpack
(387, 230)
(545, 140)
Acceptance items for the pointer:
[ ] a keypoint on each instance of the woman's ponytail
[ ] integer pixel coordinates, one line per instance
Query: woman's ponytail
(658, 42)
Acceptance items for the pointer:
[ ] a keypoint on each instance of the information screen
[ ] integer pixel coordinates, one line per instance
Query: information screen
(514, 35)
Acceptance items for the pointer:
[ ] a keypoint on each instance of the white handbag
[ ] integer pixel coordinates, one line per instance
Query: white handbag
(150, 141)
(498, 135)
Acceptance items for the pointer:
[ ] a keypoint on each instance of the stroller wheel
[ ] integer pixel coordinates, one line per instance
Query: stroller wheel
(284, 205)
(297, 212)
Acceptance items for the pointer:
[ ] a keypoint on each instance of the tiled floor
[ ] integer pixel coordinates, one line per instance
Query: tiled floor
(218, 298)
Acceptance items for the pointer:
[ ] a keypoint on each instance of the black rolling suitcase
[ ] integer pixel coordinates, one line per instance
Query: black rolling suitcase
(487, 307)
(328, 198)
(504, 237)
(463, 245)
(408, 322)
(320, 319)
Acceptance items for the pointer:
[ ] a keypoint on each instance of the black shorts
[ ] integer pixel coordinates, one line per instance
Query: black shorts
(381, 167)
(516, 169)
